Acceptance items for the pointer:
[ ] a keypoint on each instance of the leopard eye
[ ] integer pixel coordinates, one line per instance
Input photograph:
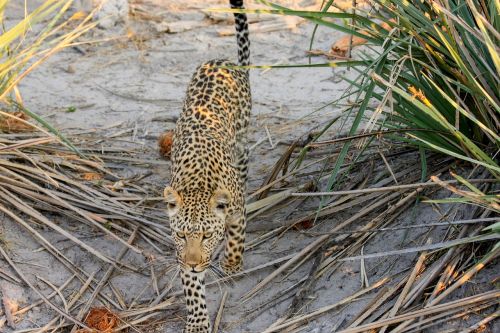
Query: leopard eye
(207, 235)
(180, 234)
(171, 205)
(221, 206)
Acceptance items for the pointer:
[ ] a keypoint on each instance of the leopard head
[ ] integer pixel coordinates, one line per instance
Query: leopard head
(198, 222)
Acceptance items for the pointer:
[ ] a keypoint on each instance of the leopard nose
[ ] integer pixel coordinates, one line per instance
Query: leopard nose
(193, 255)
(192, 264)
(192, 260)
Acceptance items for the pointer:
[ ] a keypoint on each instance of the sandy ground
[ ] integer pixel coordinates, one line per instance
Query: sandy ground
(138, 84)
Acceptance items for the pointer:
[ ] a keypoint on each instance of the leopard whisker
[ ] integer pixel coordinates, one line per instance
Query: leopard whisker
(158, 262)
(210, 271)
(222, 277)
(226, 277)
(170, 267)
(217, 271)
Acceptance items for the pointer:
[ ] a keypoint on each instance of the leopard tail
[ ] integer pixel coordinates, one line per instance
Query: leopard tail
(241, 25)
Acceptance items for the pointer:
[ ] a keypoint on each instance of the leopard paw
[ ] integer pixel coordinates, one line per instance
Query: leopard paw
(231, 268)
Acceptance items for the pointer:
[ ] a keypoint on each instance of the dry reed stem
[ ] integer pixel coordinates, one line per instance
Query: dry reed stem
(474, 197)
(435, 246)
(447, 317)
(446, 276)
(379, 299)
(67, 190)
(36, 215)
(27, 143)
(299, 319)
(104, 279)
(432, 273)
(465, 277)
(392, 212)
(482, 323)
(40, 294)
(315, 245)
(406, 289)
(387, 188)
(51, 295)
(218, 318)
(464, 302)
(72, 302)
(92, 218)
(26, 123)
(59, 293)
(160, 306)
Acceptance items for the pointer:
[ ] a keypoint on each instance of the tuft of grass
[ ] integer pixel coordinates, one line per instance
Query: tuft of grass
(22, 50)
(433, 66)
(431, 78)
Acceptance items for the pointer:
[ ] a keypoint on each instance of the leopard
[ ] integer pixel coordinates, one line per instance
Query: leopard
(209, 155)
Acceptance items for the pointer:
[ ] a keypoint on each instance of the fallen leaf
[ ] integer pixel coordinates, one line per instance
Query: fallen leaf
(92, 176)
(304, 225)
(101, 320)
(15, 123)
(118, 185)
(341, 46)
(78, 15)
(9, 306)
(165, 143)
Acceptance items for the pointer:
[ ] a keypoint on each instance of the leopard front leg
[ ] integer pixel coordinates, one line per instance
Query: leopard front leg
(193, 285)
(235, 245)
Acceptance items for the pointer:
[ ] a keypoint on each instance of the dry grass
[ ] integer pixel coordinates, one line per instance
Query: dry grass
(44, 178)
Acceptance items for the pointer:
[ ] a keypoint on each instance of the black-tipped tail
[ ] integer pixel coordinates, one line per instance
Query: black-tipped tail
(241, 25)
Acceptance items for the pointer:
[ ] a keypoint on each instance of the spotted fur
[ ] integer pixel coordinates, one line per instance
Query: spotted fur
(209, 171)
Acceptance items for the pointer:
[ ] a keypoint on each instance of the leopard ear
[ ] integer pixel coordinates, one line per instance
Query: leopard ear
(173, 200)
(220, 202)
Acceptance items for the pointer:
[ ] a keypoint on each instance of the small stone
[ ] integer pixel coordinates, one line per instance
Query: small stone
(70, 69)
